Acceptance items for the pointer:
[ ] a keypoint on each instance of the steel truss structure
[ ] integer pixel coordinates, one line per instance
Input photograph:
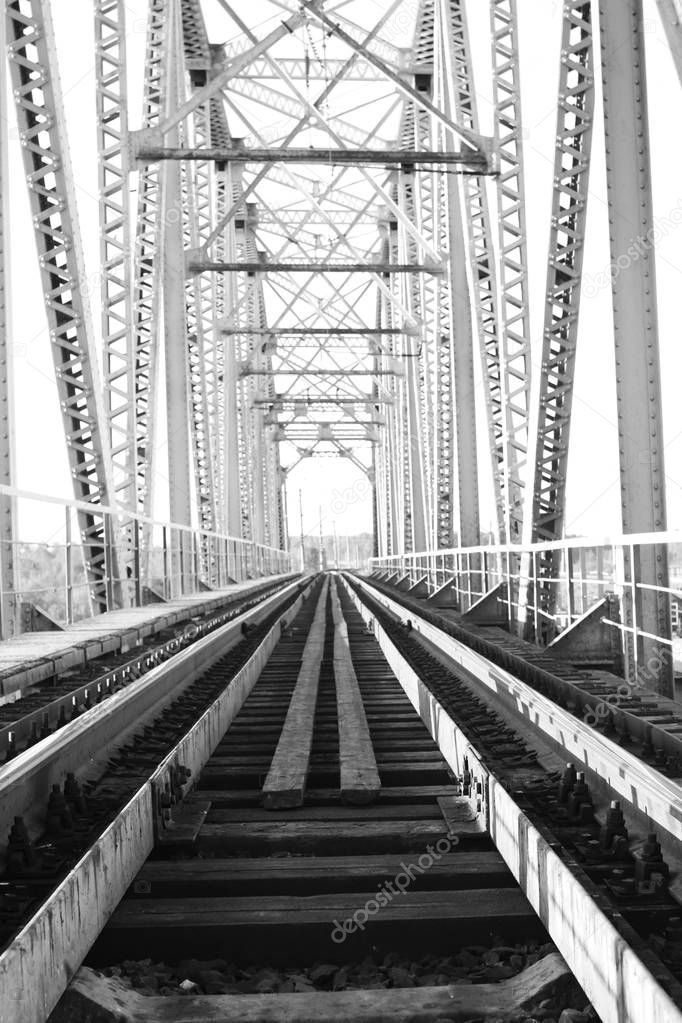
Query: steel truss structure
(326, 257)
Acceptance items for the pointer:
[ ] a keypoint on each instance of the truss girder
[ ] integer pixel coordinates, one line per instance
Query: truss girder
(199, 365)
(459, 85)
(115, 243)
(575, 113)
(40, 115)
(313, 70)
(513, 259)
(8, 616)
(148, 257)
(638, 379)
(457, 464)
(200, 300)
(175, 325)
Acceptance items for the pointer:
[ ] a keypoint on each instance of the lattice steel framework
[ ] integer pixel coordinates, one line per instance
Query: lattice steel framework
(314, 247)
(459, 87)
(32, 52)
(148, 258)
(575, 117)
(8, 621)
(115, 243)
(513, 264)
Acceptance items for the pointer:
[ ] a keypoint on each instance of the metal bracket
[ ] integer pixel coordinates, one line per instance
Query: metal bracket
(140, 140)
(36, 619)
(444, 596)
(489, 609)
(591, 641)
(420, 589)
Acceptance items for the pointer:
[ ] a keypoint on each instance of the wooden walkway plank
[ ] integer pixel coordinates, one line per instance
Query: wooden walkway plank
(360, 781)
(285, 784)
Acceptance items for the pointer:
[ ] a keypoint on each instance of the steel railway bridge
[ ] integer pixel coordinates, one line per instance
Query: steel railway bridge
(321, 240)
(311, 246)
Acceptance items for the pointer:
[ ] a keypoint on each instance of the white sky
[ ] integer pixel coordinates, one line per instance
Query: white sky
(335, 484)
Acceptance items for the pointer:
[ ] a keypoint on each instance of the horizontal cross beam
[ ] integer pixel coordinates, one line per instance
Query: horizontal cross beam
(302, 424)
(465, 162)
(284, 372)
(322, 331)
(302, 400)
(207, 266)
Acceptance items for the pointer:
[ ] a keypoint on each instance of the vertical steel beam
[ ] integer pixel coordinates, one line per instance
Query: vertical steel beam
(513, 265)
(199, 218)
(115, 249)
(174, 312)
(40, 114)
(8, 622)
(390, 508)
(217, 404)
(116, 264)
(231, 445)
(254, 414)
(638, 387)
(198, 359)
(459, 86)
(575, 113)
(147, 281)
(458, 309)
(462, 344)
(413, 425)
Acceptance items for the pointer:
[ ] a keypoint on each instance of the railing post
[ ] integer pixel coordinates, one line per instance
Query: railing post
(196, 546)
(166, 579)
(109, 585)
(584, 581)
(137, 563)
(570, 595)
(534, 590)
(68, 566)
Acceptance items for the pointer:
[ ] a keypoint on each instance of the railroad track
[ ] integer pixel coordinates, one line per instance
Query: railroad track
(334, 853)
(326, 845)
(32, 713)
(630, 715)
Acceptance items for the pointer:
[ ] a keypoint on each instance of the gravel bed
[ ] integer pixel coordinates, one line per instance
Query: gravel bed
(474, 964)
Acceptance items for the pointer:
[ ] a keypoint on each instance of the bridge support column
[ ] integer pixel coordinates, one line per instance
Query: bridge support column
(640, 428)
(174, 319)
